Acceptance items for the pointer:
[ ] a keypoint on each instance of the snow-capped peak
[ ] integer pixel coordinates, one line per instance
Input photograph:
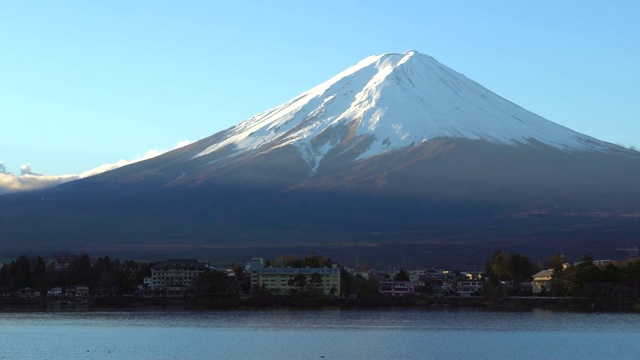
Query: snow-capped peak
(393, 101)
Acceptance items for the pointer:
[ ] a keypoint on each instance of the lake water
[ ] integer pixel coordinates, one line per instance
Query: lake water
(319, 334)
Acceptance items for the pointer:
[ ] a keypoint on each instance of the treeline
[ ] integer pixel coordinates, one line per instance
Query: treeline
(215, 282)
(104, 276)
(101, 275)
(609, 283)
(509, 267)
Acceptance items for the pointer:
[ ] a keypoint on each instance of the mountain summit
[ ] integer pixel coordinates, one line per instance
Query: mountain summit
(398, 155)
(392, 101)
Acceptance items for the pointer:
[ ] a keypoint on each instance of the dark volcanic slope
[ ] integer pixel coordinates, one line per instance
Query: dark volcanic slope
(444, 200)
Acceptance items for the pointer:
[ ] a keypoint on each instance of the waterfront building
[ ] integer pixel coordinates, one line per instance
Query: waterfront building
(77, 291)
(542, 280)
(55, 291)
(396, 288)
(28, 292)
(285, 280)
(176, 273)
(469, 287)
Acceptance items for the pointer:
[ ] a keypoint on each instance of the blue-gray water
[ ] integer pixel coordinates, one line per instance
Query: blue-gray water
(319, 334)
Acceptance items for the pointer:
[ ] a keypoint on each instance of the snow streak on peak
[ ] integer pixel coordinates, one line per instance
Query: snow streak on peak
(393, 101)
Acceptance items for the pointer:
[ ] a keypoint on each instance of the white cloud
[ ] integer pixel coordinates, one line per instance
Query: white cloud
(182, 144)
(120, 163)
(26, 170)
(29, 180)
(10, 182)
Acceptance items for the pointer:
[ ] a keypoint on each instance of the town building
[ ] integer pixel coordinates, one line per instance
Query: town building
(542, 280)
(28, 292)
(469, 287)
(396, 288)
(284, 280)
(55, 291)
(471, 275)
(77, 291)
(176, 273)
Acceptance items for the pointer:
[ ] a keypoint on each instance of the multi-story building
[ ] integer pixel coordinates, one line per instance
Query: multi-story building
(396, 288)
(284, 280)
(176, 272)
(469, 287)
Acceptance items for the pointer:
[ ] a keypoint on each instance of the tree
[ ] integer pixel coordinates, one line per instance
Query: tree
(82, 271)
(514, 267)
(316, 279)
(39, 276)
(105, 277)
(313, 261)
(554, 261)
(498, 265)
(5, 280)
(402, 275)
(20, 272)
(365, 287)
(578, 279)
(520, 268)
(630, 272)
(299, 281)
(213, 281)
(317, 261)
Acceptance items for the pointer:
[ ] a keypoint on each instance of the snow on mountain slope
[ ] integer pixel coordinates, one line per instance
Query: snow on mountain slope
(395, 100)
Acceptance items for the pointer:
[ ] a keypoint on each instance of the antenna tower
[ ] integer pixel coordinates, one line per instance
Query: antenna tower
(632, 251)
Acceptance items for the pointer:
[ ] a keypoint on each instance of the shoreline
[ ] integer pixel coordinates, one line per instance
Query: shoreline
(381, 303)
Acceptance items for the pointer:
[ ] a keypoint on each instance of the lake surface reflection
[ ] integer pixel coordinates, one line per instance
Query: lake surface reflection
(319, 334)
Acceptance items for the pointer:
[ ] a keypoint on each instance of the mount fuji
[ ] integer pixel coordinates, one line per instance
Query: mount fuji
(398, 159)
(389, 102)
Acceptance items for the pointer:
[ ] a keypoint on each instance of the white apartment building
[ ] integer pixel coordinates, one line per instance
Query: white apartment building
(469, 287)
(278, 279)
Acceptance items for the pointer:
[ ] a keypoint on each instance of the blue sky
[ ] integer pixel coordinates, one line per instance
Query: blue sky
(91, 82)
